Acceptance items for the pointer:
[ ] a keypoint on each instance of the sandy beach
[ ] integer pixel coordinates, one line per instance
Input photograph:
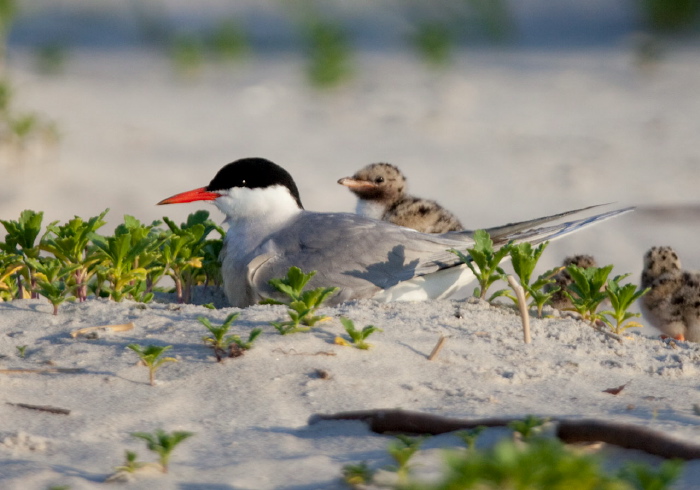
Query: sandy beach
(502, 135)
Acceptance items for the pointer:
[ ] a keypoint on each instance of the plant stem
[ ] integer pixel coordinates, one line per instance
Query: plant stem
(522, 306)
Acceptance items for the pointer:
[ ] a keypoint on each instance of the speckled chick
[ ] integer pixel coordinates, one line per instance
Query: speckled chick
(381, 192)
(673, 303)
(563, 279)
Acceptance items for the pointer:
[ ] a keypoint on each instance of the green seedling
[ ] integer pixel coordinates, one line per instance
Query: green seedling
(527, 428)
(218, 340)
(51, 58)
(357, 336)
(643, 477)
(23, 125)
(131, 464)
(524, 258)
(541, 463)
(487, 260)
(586, 291)
(536, 462)
(20, 241)
(228, 41)
(621, 299)
(187, 54)
(357, 475)
(434, 43)
(670, 16)
(22, 351)
(401, 451)
(302, 304)
(70, 243)
(51, 278)
(239, 346)
(10, 264)
(163, 443)
(469, 437)
(150, 356)
(184, 250)
(329, 61)
(128, 261)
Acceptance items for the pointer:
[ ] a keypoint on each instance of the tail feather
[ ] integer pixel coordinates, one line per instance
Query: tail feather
(523, 232)
(502, 233)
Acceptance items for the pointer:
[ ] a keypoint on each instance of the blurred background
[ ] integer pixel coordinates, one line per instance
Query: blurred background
(500, 110)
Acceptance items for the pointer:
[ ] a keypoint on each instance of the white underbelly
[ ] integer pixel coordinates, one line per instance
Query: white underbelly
(452, 283)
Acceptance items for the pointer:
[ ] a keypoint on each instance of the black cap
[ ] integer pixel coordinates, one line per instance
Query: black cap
(254, 173)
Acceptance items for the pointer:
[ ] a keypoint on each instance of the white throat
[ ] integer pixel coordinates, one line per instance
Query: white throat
(370, 209)
(253, 214)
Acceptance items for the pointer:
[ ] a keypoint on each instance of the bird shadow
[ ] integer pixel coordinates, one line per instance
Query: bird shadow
(390, 272)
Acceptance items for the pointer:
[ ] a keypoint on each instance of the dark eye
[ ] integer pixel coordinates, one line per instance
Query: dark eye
(379, 180)
(242, 183)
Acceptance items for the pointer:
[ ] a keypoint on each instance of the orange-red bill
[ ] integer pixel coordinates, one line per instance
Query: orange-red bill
(201, 194)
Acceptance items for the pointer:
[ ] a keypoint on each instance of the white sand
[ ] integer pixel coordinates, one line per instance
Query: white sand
(503, 136)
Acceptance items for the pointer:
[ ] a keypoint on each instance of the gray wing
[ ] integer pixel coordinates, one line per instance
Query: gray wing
(361, 255)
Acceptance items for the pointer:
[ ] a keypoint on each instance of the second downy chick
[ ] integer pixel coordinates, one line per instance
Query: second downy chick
(673, 303)
(381, 192)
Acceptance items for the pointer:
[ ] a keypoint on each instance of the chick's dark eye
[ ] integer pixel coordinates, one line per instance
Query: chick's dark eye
(379, 180)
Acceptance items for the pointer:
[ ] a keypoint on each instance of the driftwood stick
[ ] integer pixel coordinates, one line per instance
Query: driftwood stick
(382, 421)
(569, 431)
(122, 327)
(437, 348)
(627, 436)
(43, 408)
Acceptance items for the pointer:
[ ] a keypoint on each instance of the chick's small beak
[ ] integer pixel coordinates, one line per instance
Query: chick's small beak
(201, 194)
(355, 183)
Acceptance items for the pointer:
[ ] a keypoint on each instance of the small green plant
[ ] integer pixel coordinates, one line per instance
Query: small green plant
(221, 342)
(187, 53)
(329, 54)
(487, 260)
(51, 279)
(524, 258)
(239, 346)
(586, 290)
(18, 129)
(357, 337)
(527, 428)
(469, 437)
(541, 463)
(150, 356)
(131, 464)
(163, 443)
(228, 40)
(621, 299)
(434, 43)
(670, 15)
(51, 58)
(129, 261)
(401, 451)
(22, 351)
(70, 243)
(20, 242)
(302, 304)
(10, 264)
(184, 250)
(357, 475)
(643, 477)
